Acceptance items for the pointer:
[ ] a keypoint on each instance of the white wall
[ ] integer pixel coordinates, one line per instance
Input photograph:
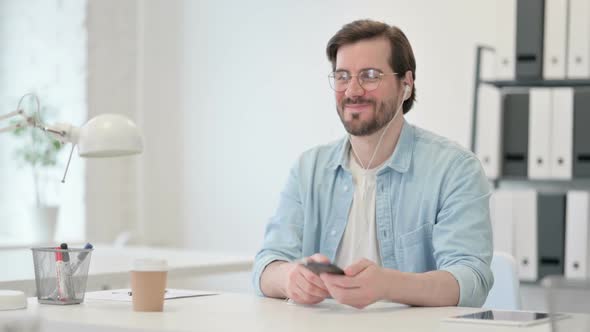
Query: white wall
(134, 69)
(160, 102)
(229, 93)
(112, 184)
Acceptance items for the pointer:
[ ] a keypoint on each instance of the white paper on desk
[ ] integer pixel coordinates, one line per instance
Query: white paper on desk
(123, 294)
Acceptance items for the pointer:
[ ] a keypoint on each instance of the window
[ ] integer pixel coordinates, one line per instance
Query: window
(42, 50)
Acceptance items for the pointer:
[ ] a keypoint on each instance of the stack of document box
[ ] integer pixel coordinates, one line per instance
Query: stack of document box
(547, 233)
(543, 39)
(536, 133)
(533, 123)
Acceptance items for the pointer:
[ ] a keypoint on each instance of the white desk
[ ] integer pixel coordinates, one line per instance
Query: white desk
(245, 312)
(109, 266)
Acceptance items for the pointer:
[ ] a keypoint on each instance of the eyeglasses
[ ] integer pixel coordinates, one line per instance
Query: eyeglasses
(368, 79)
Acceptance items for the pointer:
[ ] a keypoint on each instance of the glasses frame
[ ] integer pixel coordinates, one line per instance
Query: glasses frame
(381, 74)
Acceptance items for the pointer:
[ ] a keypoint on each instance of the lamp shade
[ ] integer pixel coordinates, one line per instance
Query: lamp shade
(109, 135)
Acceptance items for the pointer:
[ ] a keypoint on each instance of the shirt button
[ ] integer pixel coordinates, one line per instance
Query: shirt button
(333, 232)
(345, 188)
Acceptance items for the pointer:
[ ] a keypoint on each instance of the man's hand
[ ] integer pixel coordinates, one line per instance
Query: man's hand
(304, 286)
(363, 284)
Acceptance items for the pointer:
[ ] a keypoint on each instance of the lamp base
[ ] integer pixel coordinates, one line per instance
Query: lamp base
(12, 300)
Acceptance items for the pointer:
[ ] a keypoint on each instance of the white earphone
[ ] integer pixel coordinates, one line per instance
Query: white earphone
(407, 92)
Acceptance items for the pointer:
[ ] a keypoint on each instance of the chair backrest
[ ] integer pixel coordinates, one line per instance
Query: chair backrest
(505, 293)
(122, 239)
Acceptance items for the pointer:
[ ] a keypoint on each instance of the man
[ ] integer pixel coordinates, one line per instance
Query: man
(403, 211)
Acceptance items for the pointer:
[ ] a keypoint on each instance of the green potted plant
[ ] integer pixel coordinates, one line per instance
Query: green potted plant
(39, 152)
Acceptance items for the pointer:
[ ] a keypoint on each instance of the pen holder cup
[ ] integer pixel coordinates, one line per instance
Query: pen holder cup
(61, 274)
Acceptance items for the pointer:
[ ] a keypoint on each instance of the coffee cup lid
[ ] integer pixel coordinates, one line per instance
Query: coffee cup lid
(150, 264)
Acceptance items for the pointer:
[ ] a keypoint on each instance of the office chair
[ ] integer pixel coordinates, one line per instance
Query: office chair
(505, 293)
(122, 239)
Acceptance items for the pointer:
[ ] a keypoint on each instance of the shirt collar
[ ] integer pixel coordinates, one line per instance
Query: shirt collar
(399, 161)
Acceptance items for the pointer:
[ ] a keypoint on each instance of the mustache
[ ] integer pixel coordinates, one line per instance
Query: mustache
(360, 100)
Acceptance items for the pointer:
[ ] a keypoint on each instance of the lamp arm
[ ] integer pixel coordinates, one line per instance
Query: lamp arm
(11, 114)
(11, 128)
(18, 112)
(63, 132)
(33, 121)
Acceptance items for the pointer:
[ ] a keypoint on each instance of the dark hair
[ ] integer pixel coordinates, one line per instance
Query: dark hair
(401, 59)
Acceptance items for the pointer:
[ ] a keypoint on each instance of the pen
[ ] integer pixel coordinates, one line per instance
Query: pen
(81, 257)
(67, 275)
(65, 254)
(59, 269)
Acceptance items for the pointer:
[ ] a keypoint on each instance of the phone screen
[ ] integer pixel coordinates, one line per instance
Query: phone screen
(318, 268)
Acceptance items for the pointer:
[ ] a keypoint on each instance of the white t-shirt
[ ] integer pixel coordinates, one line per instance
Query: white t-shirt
(360, 237)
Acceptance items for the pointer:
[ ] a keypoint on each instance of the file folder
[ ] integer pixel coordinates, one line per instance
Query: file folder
(501, 209)
(581, 157)
(525, 229)
(578, 64)
(551, 233)
(529, 39)
(555, 39)
(539, 133)
(531, 226)
(562, 132)
(577, 249)
(515, 137)
(489, 129)
(506, 40)
(488, 63)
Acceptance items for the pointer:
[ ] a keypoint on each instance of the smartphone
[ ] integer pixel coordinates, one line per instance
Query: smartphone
(318, 268)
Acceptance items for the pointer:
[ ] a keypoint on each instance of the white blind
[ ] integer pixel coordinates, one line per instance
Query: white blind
(43, 45)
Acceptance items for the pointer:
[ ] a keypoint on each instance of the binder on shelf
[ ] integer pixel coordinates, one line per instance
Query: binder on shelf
(525, 229)
(529, 39)
(487, 65)
(551, 233)
(581, 157)
(555, 39)
(577, 247)
(515, 137)
(578, 63)
(562, 120)
(540, 106)
(501, 208)
(489, 129)
(506, 41)
(530, 225)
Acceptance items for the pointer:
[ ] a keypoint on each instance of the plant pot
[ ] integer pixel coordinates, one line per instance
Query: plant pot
(44, 223)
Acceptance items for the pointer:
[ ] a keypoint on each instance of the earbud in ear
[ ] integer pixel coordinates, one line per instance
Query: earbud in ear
(407, 91)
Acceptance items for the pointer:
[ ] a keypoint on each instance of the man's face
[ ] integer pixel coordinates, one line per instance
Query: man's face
(365, 112)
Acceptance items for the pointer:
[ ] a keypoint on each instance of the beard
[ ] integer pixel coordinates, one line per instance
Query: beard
(382, 114)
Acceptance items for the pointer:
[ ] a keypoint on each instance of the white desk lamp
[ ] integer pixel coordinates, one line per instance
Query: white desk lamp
(106, 135)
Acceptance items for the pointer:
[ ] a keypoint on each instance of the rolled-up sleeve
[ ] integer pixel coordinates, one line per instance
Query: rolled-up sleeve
(462, 234)
(284, 232)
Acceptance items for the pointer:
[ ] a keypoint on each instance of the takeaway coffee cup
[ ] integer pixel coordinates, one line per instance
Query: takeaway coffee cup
(148, 284)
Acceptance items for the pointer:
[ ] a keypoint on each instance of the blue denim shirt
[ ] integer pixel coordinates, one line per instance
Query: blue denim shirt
(432, 211)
